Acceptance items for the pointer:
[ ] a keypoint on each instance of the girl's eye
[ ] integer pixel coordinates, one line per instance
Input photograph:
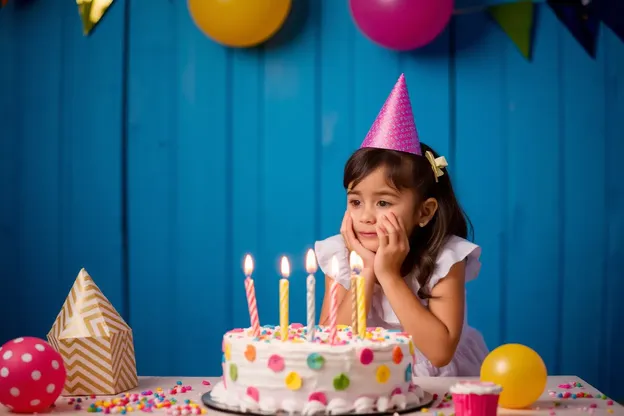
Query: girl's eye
(384, 204)
(354, 202)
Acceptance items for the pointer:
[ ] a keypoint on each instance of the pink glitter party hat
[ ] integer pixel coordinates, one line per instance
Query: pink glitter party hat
(394, 127)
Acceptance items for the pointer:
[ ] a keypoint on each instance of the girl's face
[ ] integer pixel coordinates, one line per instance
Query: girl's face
(374, 197)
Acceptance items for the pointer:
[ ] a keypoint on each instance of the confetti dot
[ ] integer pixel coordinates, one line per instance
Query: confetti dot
(341, 382)
(366, 356)
(318, 397)
(7, 355)
(253, 393)
(382, 374)
(411, 347)
(39, 347)
(4, 372)
(233, 372)
(250, 353)
(228, 351)
(408, 373)
(316, 361)
(50, 388)
(276, 363)
(35, 402)
(36, 375)
(26, 358)
(293, 381)
(55, 364)
(397, 355)
(14, 391)
(18, 340)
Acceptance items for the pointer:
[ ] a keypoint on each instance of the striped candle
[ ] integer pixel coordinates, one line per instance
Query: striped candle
(311, 268)
(361, 307)
(333, 302)
(354, 300)
(283, 296)
(251, 297)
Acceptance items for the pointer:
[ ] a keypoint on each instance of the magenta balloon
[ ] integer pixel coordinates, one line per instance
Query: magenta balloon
(401, 24)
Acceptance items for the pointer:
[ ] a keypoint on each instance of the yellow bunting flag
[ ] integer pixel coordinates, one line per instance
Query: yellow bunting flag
(91, 11)
(516, 20)
(95, 342)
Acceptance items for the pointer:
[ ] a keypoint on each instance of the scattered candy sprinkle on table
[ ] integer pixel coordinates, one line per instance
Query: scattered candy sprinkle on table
(565, 395)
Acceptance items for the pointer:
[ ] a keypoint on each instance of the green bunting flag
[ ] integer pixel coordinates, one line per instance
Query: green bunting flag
(516, 20)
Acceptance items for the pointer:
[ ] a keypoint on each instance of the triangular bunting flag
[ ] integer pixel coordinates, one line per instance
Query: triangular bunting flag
(611, 12)
(581, 19)
(91, 11)
(516, 19)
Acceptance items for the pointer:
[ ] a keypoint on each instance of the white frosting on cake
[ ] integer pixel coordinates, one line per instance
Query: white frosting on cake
(266, 374)
(475, 387)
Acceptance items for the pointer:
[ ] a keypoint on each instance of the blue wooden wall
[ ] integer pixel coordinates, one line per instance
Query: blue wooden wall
(156, 159)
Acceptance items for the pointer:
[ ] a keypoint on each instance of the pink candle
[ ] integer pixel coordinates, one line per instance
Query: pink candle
(333, 302)
(251, 297)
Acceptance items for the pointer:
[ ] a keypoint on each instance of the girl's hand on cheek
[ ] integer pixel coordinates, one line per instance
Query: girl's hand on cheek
(393, 247)
(353, 244)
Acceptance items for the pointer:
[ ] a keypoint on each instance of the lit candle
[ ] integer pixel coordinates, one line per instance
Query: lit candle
(354, 275)
(333, 301)
(251, 296)
(283, 292)
(356, 268)
(310, 284)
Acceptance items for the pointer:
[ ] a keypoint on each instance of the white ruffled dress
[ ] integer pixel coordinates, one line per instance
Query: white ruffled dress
(471, 350)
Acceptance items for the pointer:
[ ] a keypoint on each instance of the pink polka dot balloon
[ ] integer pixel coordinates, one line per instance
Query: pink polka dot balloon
(32, 375)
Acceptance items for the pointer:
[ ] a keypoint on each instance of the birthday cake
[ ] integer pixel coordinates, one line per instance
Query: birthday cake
(350, 374)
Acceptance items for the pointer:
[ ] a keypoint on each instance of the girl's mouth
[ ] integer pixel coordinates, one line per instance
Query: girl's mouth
(367, 235)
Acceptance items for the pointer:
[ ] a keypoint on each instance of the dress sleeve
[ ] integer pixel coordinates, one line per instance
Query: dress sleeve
(328, 248)
(455, 250)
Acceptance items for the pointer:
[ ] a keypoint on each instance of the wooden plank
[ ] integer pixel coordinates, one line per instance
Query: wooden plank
(289, 163)
(39, 158)
(90, 149)
(480, 167)
(584, 222)
(612, 305)
(153, 122)
(9, 170)
(373, 82)
(533, 192)
(246, 115)
(428, 76)
(202, 204)
(337, 119)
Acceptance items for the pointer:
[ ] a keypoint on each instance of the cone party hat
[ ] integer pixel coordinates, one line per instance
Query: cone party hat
(394, 128)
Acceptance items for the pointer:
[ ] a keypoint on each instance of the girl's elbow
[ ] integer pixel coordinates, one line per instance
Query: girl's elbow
(441, 360)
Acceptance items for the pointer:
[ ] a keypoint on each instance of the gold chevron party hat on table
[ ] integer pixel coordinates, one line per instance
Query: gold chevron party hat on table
(95, 342)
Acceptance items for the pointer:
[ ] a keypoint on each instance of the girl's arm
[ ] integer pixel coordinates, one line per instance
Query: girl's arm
(344, 300)
(435, 331)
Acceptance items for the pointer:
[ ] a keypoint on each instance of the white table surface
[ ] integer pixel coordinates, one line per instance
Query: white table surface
(546, 405)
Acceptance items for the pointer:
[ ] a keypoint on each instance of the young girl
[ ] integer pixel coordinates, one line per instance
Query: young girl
(404, 221)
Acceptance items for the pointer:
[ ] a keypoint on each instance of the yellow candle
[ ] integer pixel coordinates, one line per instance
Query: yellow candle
(283, 296)
(354, 289)
(357, 283)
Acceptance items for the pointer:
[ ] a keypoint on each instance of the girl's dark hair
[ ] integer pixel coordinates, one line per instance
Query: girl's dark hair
(407, 171)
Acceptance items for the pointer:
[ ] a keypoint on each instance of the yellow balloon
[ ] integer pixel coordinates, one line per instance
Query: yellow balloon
(519, 370)
(239, 23)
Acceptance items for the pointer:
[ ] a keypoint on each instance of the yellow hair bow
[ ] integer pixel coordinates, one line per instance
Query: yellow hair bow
(437, 163)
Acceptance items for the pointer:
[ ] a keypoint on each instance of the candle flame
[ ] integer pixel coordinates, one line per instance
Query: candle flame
(248, 266)
(335, 267)
(285, 267)
(356, 261)
(311, 262)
